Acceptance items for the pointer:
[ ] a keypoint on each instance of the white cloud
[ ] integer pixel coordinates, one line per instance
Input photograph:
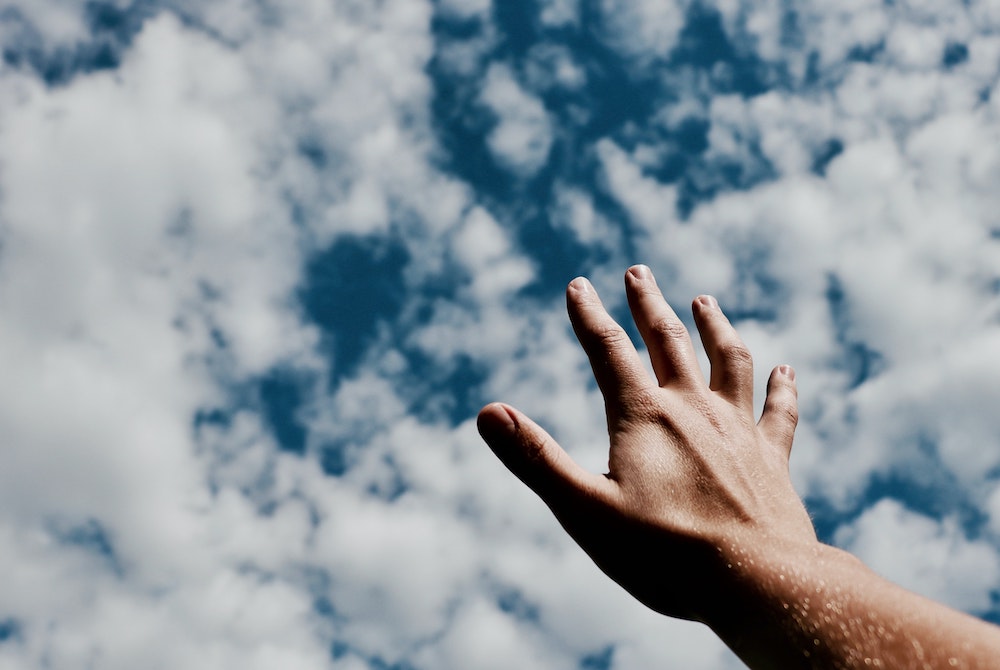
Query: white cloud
(643, 30)
(553, 67)
(59, 22)
(523, 136)
(916, 46)
(481, 245)
(484, 638)
(574, 210)
(855, 25)
(558, 13)
(790, 130)
(651, 204)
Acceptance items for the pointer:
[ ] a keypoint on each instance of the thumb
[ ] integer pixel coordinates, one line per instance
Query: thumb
(535, 458)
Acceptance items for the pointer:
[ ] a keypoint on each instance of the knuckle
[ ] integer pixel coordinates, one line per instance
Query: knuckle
(791, 413)
(735, 353)
(786, 411)
(609, 336)
(669, 329)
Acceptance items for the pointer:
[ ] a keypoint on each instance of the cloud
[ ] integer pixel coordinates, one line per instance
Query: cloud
(643, 30)
(133, 233)
(357, 219)
(149, 261)
(553, 67)
(55, 21)
(557, 13)
(522, 138)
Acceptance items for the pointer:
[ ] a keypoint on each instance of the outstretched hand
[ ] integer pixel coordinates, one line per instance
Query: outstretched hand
(695, 484)
(697, 517)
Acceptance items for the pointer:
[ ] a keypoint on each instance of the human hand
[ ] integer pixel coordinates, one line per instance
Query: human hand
(695, 485)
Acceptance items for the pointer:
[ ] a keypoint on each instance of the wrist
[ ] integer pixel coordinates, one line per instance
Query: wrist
(766, 583)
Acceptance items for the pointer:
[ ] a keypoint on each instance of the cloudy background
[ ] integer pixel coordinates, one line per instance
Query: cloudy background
(261, 262)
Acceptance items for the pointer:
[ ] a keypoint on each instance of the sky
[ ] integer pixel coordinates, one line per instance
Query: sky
(262, 262)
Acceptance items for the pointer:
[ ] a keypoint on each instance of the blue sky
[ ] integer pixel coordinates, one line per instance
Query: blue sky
(261, 263)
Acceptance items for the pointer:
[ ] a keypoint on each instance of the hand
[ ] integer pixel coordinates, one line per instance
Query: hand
(695, 486)
(697, 517)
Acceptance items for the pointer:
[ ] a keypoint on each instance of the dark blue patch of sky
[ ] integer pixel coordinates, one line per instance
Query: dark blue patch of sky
(828, 151)
(514, 603)
(349, 290)
(281, 396)
(599, 660)
(10, 629)
(955, 53)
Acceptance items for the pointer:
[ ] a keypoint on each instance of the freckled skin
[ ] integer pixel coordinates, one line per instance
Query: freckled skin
(697, 517)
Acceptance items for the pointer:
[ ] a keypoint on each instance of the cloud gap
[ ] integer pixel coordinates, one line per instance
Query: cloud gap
(348, 291)
(10, 630)
(600, 660)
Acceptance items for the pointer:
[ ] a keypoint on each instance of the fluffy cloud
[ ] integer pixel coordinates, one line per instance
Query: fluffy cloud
(556, 13)
(522, 137)
(57, 22)
(643, 30)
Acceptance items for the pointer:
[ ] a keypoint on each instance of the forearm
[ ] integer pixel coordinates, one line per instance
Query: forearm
(820, 607)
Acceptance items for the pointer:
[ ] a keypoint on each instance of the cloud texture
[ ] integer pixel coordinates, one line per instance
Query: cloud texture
(260, 264)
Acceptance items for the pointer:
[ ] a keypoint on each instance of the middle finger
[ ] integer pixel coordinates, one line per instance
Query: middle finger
(670, 350)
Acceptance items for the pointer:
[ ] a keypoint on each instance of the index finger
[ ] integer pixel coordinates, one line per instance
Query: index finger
(617, 368)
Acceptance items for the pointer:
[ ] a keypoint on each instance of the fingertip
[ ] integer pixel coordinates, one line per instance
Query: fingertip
(706, 302)
(515, 442)
(531, 454)
(640, 272)
(497, 410)
(496, 421)
(782, 375)
(579, 286)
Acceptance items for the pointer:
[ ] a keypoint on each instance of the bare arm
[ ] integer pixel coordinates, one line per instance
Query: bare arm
(697, 517)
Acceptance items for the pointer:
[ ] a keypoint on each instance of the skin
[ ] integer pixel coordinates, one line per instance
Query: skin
(697, 517)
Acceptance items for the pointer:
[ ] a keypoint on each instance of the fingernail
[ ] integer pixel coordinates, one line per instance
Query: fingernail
(788, 371)
(709, 301)
(580, 285)
(496, 421)
(641, 272)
